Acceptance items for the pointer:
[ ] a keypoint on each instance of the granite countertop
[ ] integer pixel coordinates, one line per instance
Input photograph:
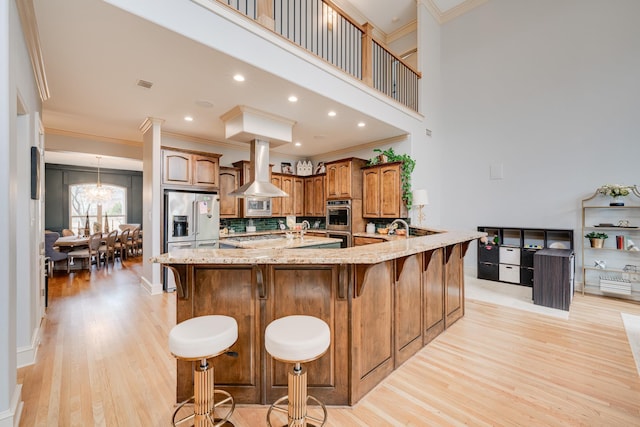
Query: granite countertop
(279, 241)
(367, 254)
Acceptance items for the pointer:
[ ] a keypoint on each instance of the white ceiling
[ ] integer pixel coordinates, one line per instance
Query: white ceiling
(94, 54)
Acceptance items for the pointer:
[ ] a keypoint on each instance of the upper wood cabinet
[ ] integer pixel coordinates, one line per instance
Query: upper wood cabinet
(293, 185)
(229, 181)
(189, 168)
(382, 189)
(343, 179)
(314, 198)
(276, 202)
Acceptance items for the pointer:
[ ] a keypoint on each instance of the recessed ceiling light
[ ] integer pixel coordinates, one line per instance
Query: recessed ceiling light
(293, 98)
(298, 144)
(188, 118)
(238, 78)
(361, 125)
(332, 113)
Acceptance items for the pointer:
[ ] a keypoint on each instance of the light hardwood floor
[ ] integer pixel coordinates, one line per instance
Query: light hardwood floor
(104, 361)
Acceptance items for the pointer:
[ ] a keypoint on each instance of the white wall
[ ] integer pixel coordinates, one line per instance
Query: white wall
(19, 110)
(550, 91)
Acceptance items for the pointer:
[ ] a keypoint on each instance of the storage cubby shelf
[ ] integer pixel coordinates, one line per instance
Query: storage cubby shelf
(511, 259)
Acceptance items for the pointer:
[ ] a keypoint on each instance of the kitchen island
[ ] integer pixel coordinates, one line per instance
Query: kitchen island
(383, 302)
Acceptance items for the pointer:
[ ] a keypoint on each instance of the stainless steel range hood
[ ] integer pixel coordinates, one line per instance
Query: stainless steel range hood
(259, 184)
(261, 129)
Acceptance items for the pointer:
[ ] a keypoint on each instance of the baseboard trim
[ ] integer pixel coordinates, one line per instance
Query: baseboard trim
(27, 355)
(152, 288)
(11, 417)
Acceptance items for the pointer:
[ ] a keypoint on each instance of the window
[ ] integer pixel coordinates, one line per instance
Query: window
(80, 205)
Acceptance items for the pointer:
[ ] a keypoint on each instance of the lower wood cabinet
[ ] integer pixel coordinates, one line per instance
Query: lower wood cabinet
(379, 315)
(434, 291)
(407, 314)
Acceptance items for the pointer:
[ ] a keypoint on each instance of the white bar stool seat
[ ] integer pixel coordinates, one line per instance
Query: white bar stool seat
(202, 338)
(297, 339)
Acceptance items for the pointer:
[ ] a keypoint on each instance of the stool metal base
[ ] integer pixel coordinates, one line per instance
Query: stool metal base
(204, 402)
(297, 398)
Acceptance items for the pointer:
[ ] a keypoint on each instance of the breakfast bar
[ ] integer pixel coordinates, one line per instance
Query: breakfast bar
(383, 302)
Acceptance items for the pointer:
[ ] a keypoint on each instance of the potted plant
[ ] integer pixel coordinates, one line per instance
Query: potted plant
(596, 239)
(615, 191)
(408, 164)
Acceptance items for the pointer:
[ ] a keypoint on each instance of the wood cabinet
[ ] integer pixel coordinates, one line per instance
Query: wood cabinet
(433, 294)
(314, 291)
(343, 179)
(379, 315)
(276, 202)
(190, 168)
(407, 314)
(454, 282)
(382, 191)
(229, 181)
(314, 198)
(293, 185)
(361, 241)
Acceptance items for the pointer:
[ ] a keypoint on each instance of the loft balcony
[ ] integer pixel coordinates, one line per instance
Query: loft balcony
(320, 27)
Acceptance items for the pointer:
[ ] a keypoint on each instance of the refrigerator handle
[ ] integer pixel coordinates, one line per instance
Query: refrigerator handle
(195, 218)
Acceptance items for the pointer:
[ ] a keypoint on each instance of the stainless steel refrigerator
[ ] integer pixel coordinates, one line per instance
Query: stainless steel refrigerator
(191, 220)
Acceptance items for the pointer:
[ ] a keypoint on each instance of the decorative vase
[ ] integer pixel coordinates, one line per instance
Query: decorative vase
(597, 243)
(617, 201)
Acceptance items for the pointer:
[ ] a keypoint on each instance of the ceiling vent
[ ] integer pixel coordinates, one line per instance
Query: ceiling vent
(145, 84)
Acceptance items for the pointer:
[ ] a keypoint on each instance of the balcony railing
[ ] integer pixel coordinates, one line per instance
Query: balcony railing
(323, 29)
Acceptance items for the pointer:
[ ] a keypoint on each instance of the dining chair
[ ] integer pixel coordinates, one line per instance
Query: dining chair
(121, 245)
(132, 242)
(51, 252)
(108, 248)
(90, 253)
(66, 232)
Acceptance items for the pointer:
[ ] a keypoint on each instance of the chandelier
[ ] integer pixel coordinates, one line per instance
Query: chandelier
(99, 194)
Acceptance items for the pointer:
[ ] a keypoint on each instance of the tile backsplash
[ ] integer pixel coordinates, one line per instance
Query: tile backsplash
(239, 225)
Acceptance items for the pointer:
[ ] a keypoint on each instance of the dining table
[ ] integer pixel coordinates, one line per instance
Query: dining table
(69, 243)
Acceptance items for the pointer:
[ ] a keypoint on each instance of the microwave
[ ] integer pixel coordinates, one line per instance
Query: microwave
(257, 206)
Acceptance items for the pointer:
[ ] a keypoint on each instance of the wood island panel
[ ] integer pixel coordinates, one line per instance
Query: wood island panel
(371, 327)
(408, 314)
(229, 291)
(433, 305)
(312, 291)
(380, 312)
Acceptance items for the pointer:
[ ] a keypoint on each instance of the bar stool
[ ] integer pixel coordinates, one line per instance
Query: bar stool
(297, 339)
(201, 338)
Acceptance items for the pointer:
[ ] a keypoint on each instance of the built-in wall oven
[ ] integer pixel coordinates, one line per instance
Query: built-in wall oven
(339, 221)
(339, 215)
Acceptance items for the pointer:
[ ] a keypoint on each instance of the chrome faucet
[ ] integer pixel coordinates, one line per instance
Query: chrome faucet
(400, 221)
(304, 226)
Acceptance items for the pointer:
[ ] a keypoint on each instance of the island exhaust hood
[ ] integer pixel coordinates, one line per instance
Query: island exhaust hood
(259, 185)
(258, 128)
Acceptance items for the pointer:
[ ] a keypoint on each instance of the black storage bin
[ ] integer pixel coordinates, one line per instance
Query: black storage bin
(490, 253)
(526, 275)
(488, 271)
(526, 257)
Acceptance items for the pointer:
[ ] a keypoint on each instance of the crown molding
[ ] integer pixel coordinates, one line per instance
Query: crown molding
(32, 40)
(444, 17)
(407, 29)
(372, 144)
(62, 132)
